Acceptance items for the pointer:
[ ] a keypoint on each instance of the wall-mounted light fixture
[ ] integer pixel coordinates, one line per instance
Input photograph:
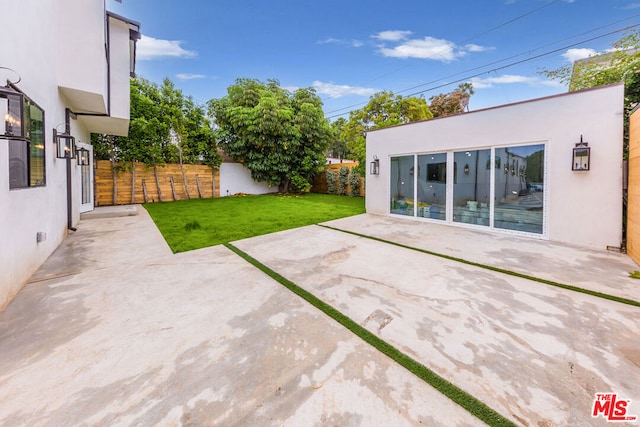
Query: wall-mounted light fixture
(374, 167)
(65, 145)
(12, 112)
(466, 169)
(581, 156)
(83, 156)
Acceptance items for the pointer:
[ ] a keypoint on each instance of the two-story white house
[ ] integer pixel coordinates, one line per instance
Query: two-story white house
(64, 73)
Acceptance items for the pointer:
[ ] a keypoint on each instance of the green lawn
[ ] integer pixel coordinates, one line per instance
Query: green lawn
(198, 223)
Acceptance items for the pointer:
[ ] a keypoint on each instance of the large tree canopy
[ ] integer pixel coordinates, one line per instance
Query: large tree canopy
(280, 136)
(163, 123)
(384, 109)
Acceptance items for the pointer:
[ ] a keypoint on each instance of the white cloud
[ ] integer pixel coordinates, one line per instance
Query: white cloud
(337, 91)
(631, 6)
(427, 48)
(188, 76)
(572, 55)
(149, 48)
(392, 36)
(477, 48)
(331, 40)
(488, 82)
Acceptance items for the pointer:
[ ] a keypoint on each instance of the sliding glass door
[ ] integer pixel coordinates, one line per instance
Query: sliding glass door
(432, 186)
(519, 188)
(402, 189)
(500, 188)
(472, 187)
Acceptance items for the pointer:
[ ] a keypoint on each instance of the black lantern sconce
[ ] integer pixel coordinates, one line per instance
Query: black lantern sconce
(581, 156)
(12, 112)
(466, 169)
(374, 166)
(65, 145)
(83, 156)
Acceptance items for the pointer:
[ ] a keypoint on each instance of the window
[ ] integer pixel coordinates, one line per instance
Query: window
(26, 147)
(471, 188)
(496, 188)
(432, 186)
(402, 170)
(519, 189)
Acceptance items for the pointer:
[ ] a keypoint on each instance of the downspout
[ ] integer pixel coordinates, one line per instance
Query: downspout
(67, 129)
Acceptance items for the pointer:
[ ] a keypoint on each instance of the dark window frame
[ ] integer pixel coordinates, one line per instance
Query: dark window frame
(27, 138)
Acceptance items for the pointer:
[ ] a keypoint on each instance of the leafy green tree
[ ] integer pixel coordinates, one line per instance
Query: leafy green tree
(155, 111)
(620, 64)
(281, 137)
(384, 109)
(448, 104)
(338, 146)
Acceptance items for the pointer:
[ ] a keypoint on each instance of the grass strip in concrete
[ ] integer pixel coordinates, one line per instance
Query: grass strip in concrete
(476, 407)
(496, 269)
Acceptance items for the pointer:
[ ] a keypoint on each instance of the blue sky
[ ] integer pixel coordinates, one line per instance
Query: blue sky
(347, 50)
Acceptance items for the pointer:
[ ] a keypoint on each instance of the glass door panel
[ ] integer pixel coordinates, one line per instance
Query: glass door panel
(472, 187)
(519, 188)
(402, 189)
(432, 186)
(86, 182)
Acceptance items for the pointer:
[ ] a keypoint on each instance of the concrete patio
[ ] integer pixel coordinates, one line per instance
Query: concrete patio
(116, 330)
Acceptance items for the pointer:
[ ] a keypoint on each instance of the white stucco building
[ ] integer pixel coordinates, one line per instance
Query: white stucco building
(510, 169)
(64, 73)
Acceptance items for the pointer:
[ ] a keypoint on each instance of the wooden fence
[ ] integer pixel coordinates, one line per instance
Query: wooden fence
(201, 182)
(633, 201)
(319, 184)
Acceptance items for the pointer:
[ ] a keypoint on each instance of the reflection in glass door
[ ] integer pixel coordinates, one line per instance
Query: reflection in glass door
(402, 189)
(519, 188)
(432, 186)
(86, 182)
(472, 187)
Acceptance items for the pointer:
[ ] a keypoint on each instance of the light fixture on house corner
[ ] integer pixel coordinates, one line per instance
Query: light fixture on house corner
(65, 145)
(581, 156)
(374, 168)
(83, 156)
(11, 109)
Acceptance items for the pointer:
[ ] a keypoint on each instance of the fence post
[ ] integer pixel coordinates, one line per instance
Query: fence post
(173, 188)
(144, 191)
(198, 185)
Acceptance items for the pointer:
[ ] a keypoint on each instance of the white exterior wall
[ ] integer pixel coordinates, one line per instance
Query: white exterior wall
(583, 208)
(81, 59)
(118, 121)
(37, 55)
(235, 178)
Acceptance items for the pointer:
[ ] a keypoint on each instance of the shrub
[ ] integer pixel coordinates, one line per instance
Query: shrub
(300, 183)
(331, 181)
(343, 180)
(354, 184)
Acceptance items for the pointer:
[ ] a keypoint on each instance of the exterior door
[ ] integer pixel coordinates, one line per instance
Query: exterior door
(86, 182)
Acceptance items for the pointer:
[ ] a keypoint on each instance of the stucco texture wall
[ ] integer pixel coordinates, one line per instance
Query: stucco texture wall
(235, 178)
(582, 208)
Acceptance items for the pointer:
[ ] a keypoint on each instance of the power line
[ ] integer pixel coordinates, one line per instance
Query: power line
(527, 52)
(465, 41)
(491, 70)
